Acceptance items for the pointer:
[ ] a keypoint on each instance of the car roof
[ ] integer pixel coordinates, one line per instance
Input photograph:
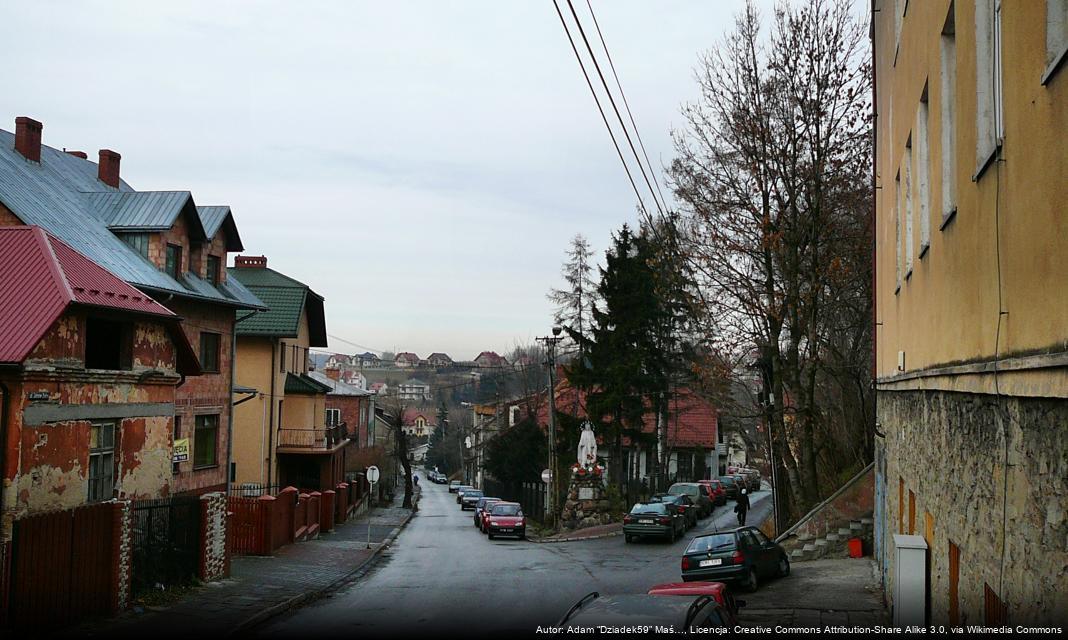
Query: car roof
(688, 589)
(633, 609)
(506, 503)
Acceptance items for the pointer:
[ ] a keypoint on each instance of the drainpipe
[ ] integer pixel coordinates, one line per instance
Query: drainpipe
(230, 422)
(270, 422)
(3, 445)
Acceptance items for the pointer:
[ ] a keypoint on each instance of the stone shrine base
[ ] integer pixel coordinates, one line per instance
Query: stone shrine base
(586, 504)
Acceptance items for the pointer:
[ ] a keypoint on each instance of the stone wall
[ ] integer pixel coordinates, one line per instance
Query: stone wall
(123, 555)
(214, 558)
(945, 454)
(586, 504)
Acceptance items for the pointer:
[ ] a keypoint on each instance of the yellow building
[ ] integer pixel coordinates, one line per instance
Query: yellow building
(280, 431)
(971, 172)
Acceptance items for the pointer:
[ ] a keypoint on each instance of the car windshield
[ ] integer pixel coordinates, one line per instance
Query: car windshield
(655, 507)
(727, 480)
(663, 497)
(716, 542)
(684, 489)
(506, 510)
(472, 493)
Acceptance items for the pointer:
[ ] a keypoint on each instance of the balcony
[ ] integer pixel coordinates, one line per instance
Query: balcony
(312, 439)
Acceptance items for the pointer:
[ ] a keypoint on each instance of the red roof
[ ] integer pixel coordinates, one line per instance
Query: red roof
(410, 414)
(407, 356)
(40, 276)
(692, 420)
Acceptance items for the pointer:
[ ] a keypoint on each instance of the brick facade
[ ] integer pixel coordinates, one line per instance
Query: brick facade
(214, 554)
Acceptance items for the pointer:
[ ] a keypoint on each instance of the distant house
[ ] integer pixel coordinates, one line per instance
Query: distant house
(367, 359)
(347, 407)
(406, 360)
(354, 379)
(380, 388)
(488, 359)
(439, 360)
(419, 422)
(336, 361)
(413, 389)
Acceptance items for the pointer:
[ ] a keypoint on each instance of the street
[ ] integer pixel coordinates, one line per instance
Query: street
(443, 575)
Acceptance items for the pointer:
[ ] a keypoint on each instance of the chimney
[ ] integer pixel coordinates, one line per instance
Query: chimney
(333, 374)
(28, 138)
(79, 154)
(251, 262)
(108, 171)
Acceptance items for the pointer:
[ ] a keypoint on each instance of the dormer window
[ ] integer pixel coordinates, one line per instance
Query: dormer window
(108, 345)
(174, 260)
(139, 242)
(214, 269)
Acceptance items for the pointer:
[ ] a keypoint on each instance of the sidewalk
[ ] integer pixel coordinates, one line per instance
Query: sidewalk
(261, 587)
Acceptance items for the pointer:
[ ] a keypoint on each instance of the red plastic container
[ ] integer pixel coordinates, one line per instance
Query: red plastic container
(856, 548)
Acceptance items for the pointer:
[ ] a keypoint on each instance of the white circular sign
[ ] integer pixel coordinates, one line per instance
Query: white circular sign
(546, 476)
(372, 474)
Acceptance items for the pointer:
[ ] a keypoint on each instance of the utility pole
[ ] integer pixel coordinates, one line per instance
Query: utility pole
(550, 347)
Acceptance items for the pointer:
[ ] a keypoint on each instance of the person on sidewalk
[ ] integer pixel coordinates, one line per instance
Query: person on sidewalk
(742, 507)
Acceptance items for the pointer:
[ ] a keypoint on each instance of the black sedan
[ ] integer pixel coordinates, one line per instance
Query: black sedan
(653, 519)
(682, 503)
(470, 499)
(633, 611)
(743, 556)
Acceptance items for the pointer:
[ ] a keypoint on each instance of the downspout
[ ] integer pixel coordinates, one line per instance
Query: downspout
(230, 422)
(3, 446)
(270, 422)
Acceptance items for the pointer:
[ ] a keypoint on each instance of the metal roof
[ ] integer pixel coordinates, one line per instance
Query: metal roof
(337, 388)
(302, 384)
(146, 210)
(286, 300)
(217, 216)
(54, 194)
(40, 276)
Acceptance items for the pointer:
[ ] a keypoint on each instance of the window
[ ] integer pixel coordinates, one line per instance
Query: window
(899, 213)
(996, 613)
(174, 260)
(282, 358)
(912, 512)
(987, 82)
(333, 417)
(139, 242)
(214, 269)
(906, 169)
(954, 580)
(108, 345)
(206, 441)
(900, 505)
(209, 352)
(901, 7)
(923, 187)
(948, 115)
(101, 461)
(176, 466)
(1056, 36)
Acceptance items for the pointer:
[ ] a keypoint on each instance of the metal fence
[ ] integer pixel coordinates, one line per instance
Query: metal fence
(165, 541)
(530, 495)
(254, 490)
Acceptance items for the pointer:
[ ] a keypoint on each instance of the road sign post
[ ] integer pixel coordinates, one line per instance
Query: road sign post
(372, 478)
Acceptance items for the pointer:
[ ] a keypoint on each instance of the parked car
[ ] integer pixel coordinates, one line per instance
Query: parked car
(743, 556)
(653, 519)
(719, 592)
(636, 610)
(506, 519)
(743, 482)
(719, 494)
(482, 512)
(480, 505)
(752, 476)
(441, 478)
(730, 485)
(454, 485)
(697, 492)
(682, 503)
(460, 492)
(470, 499)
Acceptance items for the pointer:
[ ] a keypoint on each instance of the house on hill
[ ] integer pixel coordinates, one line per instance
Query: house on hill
(406, 359)
(490, 359)
(439, 360)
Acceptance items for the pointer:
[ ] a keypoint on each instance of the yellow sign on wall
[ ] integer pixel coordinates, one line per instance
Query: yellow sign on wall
(181, 450)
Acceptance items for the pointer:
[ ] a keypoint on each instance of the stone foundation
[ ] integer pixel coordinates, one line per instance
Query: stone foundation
(586, 504)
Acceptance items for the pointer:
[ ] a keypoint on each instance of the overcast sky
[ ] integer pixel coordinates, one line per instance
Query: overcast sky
(422, 165)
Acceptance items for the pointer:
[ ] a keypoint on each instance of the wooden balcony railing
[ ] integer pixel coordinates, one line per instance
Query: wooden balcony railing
(312, 438)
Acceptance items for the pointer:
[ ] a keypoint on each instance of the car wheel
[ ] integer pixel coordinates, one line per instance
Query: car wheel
(491, 536)
(784, 566)
(751, 584)
(628, 538)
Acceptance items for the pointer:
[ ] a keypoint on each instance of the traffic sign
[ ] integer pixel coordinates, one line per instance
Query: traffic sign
(372, 474)
(546, 476)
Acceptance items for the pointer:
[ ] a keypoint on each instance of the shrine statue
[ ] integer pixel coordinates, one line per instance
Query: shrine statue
(587, 448)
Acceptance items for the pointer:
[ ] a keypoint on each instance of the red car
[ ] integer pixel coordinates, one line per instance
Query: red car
(483, 514)
(717, 590)
(719, 493)
(506, 519)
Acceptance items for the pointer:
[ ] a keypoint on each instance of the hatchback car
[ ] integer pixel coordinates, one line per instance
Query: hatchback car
(743, 556)
(730, 485)
(719, 494)
(717, 590)
(483, 516)
(460, 492)
(637, 610)
(480, 507)
(470, 499)
(653, 519)
(454, 485)
(700, 495)
(682, 503)
(506, 519)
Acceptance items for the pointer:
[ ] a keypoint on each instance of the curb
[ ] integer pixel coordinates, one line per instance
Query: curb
(282, 607)
(611, 534)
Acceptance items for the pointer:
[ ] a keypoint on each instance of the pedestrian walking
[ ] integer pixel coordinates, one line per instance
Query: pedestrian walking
(741, 507)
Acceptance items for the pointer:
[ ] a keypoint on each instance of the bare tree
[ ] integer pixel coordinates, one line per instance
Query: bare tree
(395, 406)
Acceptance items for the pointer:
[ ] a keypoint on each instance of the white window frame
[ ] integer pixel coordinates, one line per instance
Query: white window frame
(899, 208)
(988, 111)
(906, 168)
(1056, 37)
(948, 115)
(923, 173)
(101, 468)
(333, 417)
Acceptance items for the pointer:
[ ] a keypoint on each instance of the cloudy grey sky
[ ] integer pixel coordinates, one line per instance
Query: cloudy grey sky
(422, 165)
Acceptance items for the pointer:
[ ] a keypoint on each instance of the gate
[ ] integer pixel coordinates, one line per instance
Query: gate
(165, 541)
(250, 526)
(61, 566)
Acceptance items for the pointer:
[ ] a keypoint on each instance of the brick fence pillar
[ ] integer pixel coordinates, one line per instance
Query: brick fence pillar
(341, 502)
(314, 513)
(121, 555)
(326, 520)
(268, 537)
(214, 553)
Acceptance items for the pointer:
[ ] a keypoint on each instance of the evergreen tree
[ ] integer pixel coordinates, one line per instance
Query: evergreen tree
(574, 304)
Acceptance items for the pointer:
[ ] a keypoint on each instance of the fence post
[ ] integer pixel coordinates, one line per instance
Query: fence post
(326, 517)
(214, 554)
(288, 499)
(300, 518)
(121, 555)
(266, 527)
(313, 513)
(341, 502)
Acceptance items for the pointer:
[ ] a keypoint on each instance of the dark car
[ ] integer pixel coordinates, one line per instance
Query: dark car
(506, 519)
(717, 590)
(470, 499)
(454, 485)
(743, 482)
(653, 519)
(731, 486)
(460, 492)
(700, 495)
(480, 508)
(682, 503)
(719, 494)
(639, 610)
(742, 556)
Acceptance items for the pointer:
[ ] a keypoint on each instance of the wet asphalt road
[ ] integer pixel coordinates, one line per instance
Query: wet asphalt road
(442, 575)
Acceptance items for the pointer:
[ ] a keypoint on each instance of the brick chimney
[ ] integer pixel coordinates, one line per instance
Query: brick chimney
(251, 262)
(108, 171)
(78, 154)
(28, 138)
(333, 374)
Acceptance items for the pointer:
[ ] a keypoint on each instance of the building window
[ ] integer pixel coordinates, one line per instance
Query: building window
(912, 513)
(954, 580)
(209, 352)
(214, 269)
(176, 466)
(948, 115)
(1056, 36)
(282, 358)
(901, 7)
(900, 505)
(899, 213)
(923, 187)
(987, 82)
(906, 169)
(174, 260)
(108, 345)
(206, 441)
(138, 241)
(101, 461)
(333, 417)
(995, 613)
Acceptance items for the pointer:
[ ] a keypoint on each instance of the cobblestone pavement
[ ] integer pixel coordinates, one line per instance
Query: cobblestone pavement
(296, 573)
(838, 591)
